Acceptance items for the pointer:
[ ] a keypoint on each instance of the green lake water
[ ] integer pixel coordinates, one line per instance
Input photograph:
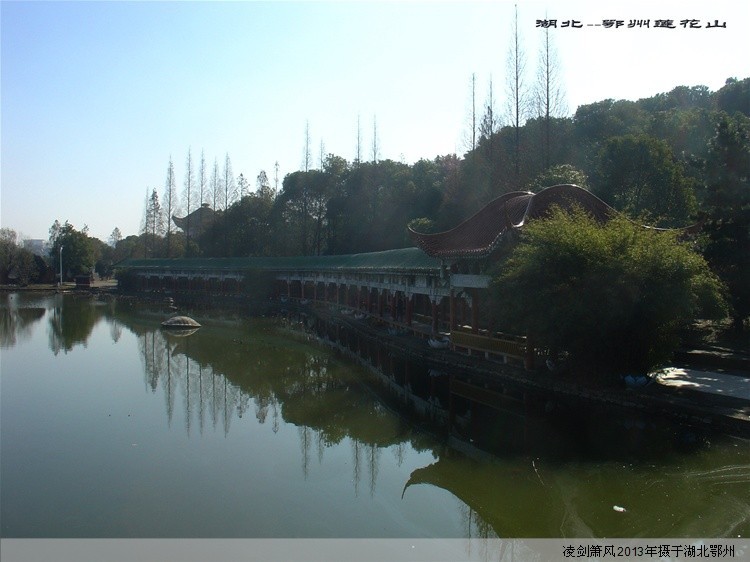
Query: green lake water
(111, 427)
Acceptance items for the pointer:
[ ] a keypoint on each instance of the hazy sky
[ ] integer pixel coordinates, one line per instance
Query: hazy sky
(97, 96)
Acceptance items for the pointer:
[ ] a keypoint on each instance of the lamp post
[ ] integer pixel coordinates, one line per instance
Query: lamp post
(61, 270)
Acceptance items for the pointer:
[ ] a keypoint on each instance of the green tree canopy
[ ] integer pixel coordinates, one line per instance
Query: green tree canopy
(727, 208)
(612, 295)
(17, 264)
(639, 175)
(78, 254)
(558, 175)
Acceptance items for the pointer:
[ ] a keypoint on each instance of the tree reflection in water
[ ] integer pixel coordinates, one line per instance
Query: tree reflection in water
(293, 383)
(16, 321)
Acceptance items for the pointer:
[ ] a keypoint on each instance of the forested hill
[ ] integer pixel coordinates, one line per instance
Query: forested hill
(649, 158)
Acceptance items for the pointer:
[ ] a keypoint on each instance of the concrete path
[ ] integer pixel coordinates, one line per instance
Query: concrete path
(713, 382)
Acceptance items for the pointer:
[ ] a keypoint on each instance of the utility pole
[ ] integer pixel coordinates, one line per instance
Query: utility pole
(61, 268)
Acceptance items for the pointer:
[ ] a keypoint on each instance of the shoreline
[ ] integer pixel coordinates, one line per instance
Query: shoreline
(686, 403)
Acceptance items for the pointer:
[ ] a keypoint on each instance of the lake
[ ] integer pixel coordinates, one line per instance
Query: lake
(250, 428)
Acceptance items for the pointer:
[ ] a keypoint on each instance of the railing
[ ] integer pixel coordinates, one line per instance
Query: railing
(486, 344)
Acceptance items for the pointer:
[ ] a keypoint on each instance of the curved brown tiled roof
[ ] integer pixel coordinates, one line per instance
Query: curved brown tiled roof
(479, 235)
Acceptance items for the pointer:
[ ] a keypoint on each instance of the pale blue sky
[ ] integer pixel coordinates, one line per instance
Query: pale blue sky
(96, 96)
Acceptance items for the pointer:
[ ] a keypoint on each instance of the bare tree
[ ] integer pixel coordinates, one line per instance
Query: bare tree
(375, 140)
(470, 136)
(189, 197)
(307, 159)
(488, 123)
(276, 177)
(144, 225)
(170, 204)
(215, 187)
(358, 157)
(549, 99)
(230, 195)
(517, 94)
(217, 194)
(230, 187)
(202, 180)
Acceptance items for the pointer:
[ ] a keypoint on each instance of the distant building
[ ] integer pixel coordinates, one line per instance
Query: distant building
(38, 247)
(198, 221)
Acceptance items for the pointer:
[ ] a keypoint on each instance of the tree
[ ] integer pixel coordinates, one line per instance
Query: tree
(488, 123)
(230, 194)
(115, 237)
(202, 181)
(153, 225)
(358, 149)
(558, 175)
(375, 140)
(230, 187)
(216, 193)
(548, 96)
(17, 264)
(734, 97)
(596, 122)
(189, 196)
(170, 205)
(639, 175)
(612, 295)
(727, 211)
(78, 250)
(263, 186)
(517, 94)
(243, 186)
(104, 258)
(470, 137)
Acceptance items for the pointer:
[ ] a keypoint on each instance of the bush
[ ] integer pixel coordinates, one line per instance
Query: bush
(612, 295)
(127, 280)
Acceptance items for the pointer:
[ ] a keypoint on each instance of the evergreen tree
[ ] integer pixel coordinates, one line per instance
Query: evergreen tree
(727, 208)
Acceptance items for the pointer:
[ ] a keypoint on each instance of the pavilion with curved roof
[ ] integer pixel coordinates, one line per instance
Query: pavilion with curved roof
(479, 235)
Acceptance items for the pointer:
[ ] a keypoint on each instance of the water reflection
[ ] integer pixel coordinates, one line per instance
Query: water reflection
(544, 479)
(260, 370)
(16, 321)
(72, 324)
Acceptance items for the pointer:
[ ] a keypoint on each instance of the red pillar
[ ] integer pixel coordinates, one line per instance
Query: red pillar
(409, 309)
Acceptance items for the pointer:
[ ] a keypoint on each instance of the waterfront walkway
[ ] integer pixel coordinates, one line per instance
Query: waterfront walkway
(732, 384)
(716, 396)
